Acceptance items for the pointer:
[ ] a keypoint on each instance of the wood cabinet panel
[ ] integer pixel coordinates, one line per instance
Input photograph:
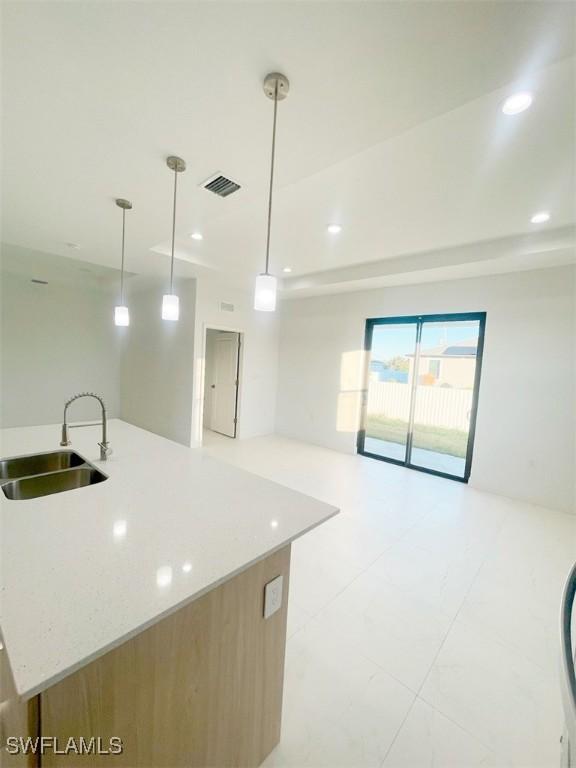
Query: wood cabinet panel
(17, 718)
(203, 687)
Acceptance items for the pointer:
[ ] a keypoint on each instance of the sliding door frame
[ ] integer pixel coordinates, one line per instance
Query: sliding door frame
(419, 321)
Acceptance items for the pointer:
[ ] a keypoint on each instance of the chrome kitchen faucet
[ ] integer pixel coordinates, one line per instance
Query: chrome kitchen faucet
(105, 449)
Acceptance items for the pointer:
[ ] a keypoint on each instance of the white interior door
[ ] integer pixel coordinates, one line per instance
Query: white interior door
(224, 372)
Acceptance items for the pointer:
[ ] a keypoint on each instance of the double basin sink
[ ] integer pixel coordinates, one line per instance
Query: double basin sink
(41, 474)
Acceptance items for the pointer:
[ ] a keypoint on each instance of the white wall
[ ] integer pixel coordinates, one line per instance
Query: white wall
(60, 339)
(158, 361)
(526, 423)
(258, 357)
(56, 340)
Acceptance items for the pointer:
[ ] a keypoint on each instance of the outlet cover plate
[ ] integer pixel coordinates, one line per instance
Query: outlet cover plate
(273, 596)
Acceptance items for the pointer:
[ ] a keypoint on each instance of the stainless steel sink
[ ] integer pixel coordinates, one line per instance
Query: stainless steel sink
(38, 464)
(52, 482)
(41, 474)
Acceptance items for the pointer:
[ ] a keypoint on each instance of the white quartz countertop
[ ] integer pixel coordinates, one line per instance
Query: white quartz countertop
(84, 570)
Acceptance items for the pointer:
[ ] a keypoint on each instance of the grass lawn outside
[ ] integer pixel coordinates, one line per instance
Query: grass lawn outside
(440, 439)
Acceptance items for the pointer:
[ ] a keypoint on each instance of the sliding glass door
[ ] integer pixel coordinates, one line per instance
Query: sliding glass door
(421, 394)
(390, 376)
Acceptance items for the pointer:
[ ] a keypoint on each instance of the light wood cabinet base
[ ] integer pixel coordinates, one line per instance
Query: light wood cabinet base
(17, 718)
(203, 687)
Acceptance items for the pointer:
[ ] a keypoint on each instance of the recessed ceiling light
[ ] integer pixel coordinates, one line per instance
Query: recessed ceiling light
(287, 269)
(334, 229)
(74, 246)
(197, 236)
(540, 217)
(516, 103)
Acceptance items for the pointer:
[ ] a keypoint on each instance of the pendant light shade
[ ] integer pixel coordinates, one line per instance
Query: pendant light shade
(276, 87)
(170, 307)
(170, 302)
(121, 314)
(265, 293)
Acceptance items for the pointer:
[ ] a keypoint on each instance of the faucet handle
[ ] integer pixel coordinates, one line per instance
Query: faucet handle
(105, 451)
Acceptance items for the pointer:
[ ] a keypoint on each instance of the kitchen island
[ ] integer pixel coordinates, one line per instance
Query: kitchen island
(134, 608)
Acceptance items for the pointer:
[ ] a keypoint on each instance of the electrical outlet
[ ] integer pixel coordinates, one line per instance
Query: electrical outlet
(273, 596)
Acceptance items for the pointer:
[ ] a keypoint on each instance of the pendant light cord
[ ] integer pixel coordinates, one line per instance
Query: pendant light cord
(173, 233)
(122, 264)
(271, 178)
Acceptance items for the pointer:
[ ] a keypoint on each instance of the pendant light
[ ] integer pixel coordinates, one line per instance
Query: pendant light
(121, 314)
(276, 87)
(170, 302)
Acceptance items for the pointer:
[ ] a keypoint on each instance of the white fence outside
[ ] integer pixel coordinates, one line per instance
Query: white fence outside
(438, 406)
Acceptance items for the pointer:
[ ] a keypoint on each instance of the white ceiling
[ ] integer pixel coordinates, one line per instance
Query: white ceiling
(392, 128)
(26, 264)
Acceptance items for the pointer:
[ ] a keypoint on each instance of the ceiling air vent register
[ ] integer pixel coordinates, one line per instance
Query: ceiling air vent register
(220, 185)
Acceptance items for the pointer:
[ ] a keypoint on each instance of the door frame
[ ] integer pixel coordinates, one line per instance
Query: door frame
(239, 369)
(419, 321)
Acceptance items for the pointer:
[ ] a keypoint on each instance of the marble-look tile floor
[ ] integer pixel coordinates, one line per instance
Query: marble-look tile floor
(422, 619)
